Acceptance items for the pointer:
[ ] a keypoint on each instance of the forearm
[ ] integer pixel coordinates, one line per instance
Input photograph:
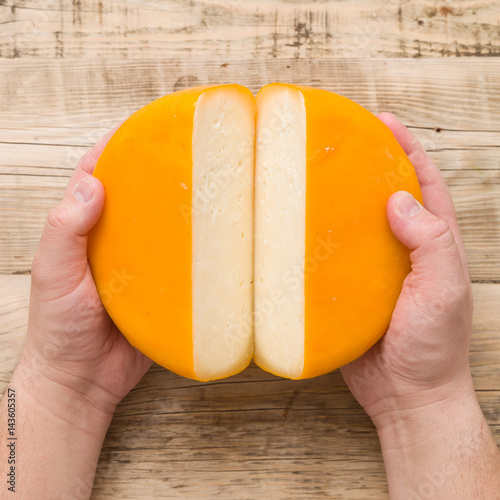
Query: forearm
(50, 439)
(441, 451)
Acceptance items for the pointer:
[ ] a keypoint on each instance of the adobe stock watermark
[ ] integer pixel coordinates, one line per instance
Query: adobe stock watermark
(435, 480)
(216, 182)
(291, 279)
(395, 178)
(364, 33)
(457, 118)
(450, 293)
(118, 281)
(30, 28)
(75, 153)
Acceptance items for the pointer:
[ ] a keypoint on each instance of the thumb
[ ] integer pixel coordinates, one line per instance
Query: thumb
(434, 250)
(60, 262)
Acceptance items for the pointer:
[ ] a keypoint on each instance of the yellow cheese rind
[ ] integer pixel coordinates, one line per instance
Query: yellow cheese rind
(354, 265)
(143, 233)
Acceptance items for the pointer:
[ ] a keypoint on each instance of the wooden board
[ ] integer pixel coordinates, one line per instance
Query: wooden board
(252, 435)
(263, 29)
(71, 70)
(52, 111)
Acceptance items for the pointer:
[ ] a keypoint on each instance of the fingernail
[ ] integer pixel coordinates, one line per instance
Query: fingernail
(84, 191)
(408, 205)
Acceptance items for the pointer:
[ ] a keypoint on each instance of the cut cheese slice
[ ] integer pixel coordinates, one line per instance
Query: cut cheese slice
(172, 254)
(280, 210)
(328, 270)
(222, 232)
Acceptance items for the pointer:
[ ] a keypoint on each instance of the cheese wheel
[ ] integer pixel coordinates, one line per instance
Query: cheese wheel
(172, 254)
(328, 270)
(176, 250)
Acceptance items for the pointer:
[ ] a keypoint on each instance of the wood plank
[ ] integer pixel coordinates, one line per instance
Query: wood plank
(51, 111)
(254, 433)
(14, 297)
(71, 70)
(261, 29)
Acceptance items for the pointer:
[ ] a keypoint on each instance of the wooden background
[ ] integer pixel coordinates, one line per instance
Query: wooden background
(72, 69)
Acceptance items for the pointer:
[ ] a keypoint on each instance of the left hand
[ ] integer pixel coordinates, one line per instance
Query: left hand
(71, 340)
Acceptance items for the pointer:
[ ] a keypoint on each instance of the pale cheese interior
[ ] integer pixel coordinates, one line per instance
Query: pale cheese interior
(280, 200)
(222, 232)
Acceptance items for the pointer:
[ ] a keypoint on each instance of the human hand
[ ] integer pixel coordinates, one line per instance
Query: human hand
(71, 340)
(415, 383)
(75, 366)
(423, 357)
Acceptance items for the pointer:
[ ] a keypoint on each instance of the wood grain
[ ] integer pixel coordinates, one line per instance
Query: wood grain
(252, 435)
(260, 30)
(71, 70)
(52, 111)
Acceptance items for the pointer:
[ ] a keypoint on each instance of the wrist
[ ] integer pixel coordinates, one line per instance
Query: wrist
(416, 404)
(55, 435)
(430, 450)
(424, 417)
(67, 398)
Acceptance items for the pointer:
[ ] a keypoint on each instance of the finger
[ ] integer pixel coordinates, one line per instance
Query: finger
(435, 193)
(435, 255)
(60, 263)
(88, 161)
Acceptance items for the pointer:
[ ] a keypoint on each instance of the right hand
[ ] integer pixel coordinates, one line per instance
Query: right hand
(423, 357)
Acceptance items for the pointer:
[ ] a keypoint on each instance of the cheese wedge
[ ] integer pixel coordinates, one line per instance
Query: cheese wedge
(328, 270)
(172, 254)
